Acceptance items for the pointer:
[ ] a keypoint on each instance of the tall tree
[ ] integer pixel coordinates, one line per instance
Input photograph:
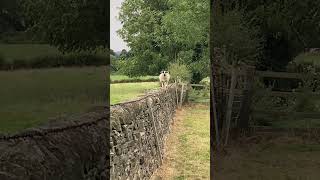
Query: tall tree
(162, 31)
(288, 26)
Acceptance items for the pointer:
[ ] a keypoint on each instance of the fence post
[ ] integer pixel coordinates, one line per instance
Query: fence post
(181, 96)
(230, 102)
(215, 116)
(155, 130)
(246, 102)
(176, 88)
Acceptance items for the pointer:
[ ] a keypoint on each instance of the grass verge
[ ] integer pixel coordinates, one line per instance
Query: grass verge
(187, 153)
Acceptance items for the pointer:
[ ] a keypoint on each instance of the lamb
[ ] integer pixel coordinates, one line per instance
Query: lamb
(164, 78)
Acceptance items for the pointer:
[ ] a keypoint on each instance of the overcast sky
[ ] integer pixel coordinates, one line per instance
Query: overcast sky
(116, 43)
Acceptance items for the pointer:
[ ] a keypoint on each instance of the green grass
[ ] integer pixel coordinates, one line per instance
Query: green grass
(281, 158)
(199, 96)
(286, 121)
(126, 79)
(127, 91)
(194, 143)
(31, 97)
(308, 58)
(188, 145)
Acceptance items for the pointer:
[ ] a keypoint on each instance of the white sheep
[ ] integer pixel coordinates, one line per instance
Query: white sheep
(164, 78)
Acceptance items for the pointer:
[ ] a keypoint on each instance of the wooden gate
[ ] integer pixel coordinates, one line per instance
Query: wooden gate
(279, 89)
(231, 92)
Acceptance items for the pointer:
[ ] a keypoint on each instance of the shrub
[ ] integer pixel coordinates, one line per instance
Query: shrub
(20, 63)
(205, 81)
(180, 71)
(305, 104)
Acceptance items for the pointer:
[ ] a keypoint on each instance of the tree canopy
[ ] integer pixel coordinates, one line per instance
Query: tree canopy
(68, 24)
(162, 31)
(286, 27)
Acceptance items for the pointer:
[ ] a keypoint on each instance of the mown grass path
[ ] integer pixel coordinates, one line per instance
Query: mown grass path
(187, 148)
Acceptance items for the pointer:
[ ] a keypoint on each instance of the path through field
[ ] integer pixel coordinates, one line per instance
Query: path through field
(187, 149)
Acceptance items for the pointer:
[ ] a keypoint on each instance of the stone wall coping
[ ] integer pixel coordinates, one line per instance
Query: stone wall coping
(58, 125)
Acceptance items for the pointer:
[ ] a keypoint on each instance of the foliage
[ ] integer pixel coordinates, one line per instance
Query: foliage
(164, 31)
(240, 41)
(112, 53)
(206, 82)
(69, 25)
(308, 58)
(305, 104)
(287, 27)
(51, 61)
(179, 72)
(20, 56)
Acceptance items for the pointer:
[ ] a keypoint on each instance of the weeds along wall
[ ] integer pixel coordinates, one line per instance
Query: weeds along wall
(138, 132)
(74, 148)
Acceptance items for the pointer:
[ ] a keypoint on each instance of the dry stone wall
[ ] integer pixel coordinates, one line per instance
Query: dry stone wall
(75, 148)
(138, 132)
(78, 147)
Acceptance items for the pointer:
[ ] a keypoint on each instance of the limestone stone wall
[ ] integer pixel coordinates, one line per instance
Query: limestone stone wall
(138, 131)
(75, 148)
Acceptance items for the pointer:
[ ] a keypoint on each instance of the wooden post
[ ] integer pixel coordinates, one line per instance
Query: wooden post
(181, 96)
(156, 133)
(246, 102)
(176, 88)
(215, 117)
(230, 102)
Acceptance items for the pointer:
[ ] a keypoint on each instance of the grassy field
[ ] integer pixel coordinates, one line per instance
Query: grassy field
(30, 97)
(280, 157)
(126, 91)
(188, 145)
(125, 79)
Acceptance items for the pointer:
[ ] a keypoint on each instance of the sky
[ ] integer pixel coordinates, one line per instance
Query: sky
(116, 43)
